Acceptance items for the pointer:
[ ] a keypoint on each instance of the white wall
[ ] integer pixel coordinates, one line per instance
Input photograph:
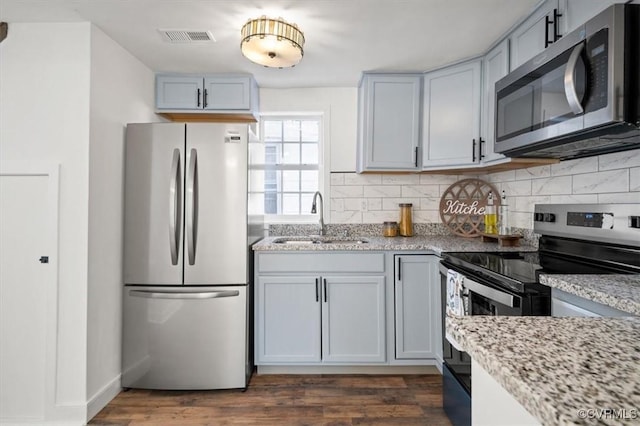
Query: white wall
(44, 116)
(122, 91)
(374, 198)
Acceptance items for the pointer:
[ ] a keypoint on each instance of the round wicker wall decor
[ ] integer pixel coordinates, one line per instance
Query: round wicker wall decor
(462, 206)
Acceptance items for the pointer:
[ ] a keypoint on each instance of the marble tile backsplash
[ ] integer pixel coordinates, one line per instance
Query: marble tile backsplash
(374, 198)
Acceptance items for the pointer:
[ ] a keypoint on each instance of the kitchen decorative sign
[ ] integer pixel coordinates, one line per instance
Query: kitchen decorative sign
(463, 204)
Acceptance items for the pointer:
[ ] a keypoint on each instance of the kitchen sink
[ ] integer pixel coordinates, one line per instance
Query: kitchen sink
(317, 240)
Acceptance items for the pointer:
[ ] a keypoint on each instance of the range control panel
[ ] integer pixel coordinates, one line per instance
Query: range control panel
(611, 223)
(590, 220)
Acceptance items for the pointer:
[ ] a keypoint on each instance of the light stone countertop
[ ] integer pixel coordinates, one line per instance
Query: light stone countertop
(555, 367)
(435, 243)
(617, 291)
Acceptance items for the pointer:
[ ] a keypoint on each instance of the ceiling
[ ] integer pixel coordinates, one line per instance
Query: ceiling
(343, 37)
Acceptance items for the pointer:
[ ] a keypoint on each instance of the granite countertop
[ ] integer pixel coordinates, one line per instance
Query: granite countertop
(435, 243)
(555, 367)
(617, 291)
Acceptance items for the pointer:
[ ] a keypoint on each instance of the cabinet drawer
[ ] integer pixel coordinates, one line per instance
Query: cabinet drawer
(320, 262)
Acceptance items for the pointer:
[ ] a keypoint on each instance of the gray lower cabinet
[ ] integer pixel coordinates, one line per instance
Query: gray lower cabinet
(288, 321)
(417, 309)
(320, 308)
(353, 319)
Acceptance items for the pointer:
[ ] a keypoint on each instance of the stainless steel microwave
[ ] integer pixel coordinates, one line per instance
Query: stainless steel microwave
(580, 97)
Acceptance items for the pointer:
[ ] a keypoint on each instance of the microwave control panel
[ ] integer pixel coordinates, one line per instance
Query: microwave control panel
(590, 220)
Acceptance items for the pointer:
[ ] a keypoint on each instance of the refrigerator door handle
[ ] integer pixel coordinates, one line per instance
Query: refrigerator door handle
(192, 205)
(184, 295)
(175, 195)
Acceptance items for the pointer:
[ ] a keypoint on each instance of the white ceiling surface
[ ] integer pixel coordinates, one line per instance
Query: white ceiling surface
(343, 37)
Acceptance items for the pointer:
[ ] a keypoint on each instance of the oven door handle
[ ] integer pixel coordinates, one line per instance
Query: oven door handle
(490, 293)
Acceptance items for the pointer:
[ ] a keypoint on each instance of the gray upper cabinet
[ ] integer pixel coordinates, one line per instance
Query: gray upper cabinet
(206, 93)
(535, 33)
(577, 12)
(451, 120)
(495, 65)
(389, 122)
(179, 92)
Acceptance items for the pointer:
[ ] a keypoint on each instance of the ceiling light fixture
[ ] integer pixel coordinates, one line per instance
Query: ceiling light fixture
(272, 42)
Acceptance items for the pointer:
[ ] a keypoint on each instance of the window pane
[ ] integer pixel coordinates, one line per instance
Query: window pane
(272, 130)
(309, 153)
(256, 180)
(291, 130)
(271, 203)
(291, 153)
(291, 181)
(309, 180)
(310, 131)
(290, 203)
(272, 153)
(272, 181)
(256, 153)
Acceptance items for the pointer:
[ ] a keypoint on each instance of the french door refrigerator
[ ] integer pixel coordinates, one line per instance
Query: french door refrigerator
(187, 253)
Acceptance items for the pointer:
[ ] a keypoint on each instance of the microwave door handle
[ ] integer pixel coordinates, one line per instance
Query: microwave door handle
(570, 81)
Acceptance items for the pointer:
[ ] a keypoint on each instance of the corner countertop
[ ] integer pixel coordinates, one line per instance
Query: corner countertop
(617, 291)
(434, 243)
(555, 367)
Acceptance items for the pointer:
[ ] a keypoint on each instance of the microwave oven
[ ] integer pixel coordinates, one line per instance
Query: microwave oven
(579, 97)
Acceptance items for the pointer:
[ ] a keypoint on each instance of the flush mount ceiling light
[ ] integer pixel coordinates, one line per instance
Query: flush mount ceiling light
(272, 42)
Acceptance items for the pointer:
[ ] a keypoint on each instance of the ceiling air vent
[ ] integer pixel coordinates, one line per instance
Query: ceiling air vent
(186, 36)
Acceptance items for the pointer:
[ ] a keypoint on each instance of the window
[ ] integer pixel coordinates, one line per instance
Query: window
(285, 166)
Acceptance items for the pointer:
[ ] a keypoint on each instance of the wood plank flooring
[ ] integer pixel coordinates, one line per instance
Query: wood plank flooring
(289, 400)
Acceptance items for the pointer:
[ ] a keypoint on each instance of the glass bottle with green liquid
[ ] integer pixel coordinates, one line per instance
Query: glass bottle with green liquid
(490, 216)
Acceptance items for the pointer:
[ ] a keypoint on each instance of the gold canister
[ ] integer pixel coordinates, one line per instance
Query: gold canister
(406, 224)
(390, 229)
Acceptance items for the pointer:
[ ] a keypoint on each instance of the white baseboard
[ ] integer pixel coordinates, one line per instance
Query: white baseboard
(103, 396)
(324, 369)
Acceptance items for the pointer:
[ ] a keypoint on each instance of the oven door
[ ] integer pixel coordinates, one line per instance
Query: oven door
(483, 299)
(488, 300)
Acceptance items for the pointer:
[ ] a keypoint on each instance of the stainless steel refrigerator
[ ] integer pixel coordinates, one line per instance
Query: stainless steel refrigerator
(187, 257)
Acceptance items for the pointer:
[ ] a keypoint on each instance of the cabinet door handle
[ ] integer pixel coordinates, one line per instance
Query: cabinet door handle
(399, 269)
(482, 141)
(204, 102)
(473, 151)
(416, 151)
(198, 98)
(556, 25)
(547, 22)
(317, 289)
(324, 282)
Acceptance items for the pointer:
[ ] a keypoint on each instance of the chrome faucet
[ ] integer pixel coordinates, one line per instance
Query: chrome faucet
(314, 210)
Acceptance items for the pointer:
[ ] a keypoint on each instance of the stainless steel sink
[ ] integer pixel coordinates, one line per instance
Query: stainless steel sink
(311, 240)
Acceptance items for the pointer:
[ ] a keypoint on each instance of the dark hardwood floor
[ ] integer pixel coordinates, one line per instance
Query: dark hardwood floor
(289, 400)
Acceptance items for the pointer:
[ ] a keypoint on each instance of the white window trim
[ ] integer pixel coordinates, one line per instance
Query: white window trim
(323, 166)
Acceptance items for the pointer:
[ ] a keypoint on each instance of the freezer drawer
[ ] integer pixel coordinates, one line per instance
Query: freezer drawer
(185, 337)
